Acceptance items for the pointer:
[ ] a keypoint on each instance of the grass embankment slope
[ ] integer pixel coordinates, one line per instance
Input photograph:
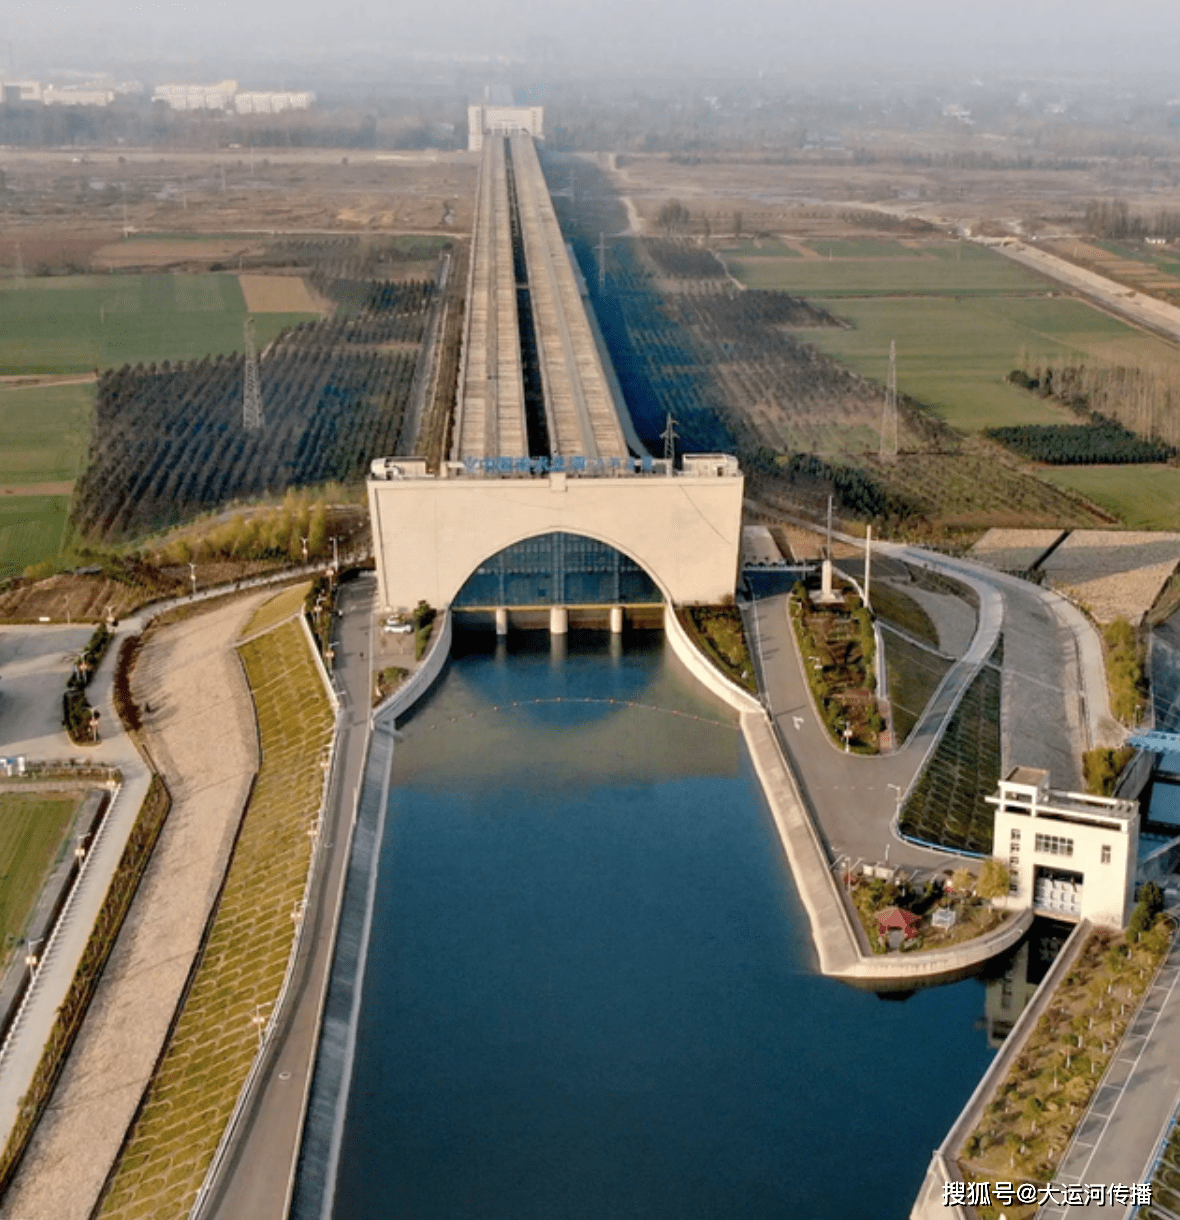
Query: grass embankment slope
(74, 325)
(962, 318)
(32, 825)
(241, 969)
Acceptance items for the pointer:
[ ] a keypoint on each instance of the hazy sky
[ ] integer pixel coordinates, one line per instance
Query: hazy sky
(1048, 36)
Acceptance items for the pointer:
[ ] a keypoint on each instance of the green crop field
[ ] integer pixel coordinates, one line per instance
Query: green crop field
(77, 323)
(1143, 497)
(879, 267)
(861, 247)
(953, 354)
(32, 825)
(32, 529)
(44, 431)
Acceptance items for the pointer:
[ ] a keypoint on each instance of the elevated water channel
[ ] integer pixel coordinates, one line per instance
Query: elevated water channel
(590, 991)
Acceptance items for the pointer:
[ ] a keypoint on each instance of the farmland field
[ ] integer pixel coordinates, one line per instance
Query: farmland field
(1143, 497)
(77, 323)
(43, 433)
(31, 828)
(954, 353)
(881, 267)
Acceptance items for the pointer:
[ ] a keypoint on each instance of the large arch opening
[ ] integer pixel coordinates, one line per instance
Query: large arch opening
(558, 569)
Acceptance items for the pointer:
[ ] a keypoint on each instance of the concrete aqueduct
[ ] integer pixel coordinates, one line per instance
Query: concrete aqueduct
(543, 503)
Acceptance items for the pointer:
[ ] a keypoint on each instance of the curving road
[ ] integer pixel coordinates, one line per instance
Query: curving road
(1054, 706)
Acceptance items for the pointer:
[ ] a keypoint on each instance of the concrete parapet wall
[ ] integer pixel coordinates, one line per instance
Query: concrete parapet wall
(701, 668)
(423, 678)
(942, 1165)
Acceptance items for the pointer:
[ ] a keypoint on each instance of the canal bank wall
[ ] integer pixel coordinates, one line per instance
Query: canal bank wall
(943, 1164)
(839, 946)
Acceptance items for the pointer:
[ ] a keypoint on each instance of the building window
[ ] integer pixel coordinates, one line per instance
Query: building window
(1014, 840)
(1054, 845)
(1105, 853)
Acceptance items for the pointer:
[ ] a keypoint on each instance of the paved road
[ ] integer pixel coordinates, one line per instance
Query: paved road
(1115, 1142)
(34, 665)
(849, 794)
(255, 1174)
(1055, 705)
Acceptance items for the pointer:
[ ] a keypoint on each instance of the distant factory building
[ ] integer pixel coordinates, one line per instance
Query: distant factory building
(197, 97)
(272, 102)
(486, 119)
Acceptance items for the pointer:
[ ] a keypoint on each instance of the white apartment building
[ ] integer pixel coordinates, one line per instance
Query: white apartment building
(272, 102)
(75, 96)
(485, 118)
(1070, 855)
(197, 97)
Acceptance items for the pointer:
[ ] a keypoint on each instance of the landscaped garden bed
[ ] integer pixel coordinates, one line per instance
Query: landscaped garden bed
(837, 644)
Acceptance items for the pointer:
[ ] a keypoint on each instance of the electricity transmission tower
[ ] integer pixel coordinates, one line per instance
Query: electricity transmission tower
(251, 394)
(889, 415)
(670, 437)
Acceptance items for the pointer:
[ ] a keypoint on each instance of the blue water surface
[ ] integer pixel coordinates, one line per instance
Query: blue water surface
(590, 990)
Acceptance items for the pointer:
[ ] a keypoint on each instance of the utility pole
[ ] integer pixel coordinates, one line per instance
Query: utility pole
(20, 267)
(670, 437)
(251, 392)
(868, 563)
(192, 575)
(889, 415)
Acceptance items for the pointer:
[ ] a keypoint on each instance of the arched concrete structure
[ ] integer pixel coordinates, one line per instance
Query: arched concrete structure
(430, 534)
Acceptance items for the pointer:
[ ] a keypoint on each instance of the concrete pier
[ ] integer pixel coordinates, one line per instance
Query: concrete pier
(501, 620)
(616, 620)
(559, 620)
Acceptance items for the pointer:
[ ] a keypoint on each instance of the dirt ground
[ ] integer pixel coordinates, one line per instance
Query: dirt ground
(201, 732)
(808, 195)
(277, 294)
(69, 212)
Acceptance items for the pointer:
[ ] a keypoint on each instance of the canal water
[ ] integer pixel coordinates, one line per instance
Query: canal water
(590, 990)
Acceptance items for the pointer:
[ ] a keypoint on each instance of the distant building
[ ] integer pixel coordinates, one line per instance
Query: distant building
(486, 119)
(75, 96)
(197, 97)
(272, 102)
(14, 91)
(1070, 855)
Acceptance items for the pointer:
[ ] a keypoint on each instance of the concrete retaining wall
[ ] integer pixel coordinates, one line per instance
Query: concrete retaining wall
(701, 668)
(833, 932)
(942, 1165)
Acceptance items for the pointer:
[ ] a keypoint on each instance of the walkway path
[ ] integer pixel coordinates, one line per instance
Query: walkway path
(201, 733)
(1116, 1140)
(35, 662)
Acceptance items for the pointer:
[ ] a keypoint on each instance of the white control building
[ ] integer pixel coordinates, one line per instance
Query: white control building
(1070, 855)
